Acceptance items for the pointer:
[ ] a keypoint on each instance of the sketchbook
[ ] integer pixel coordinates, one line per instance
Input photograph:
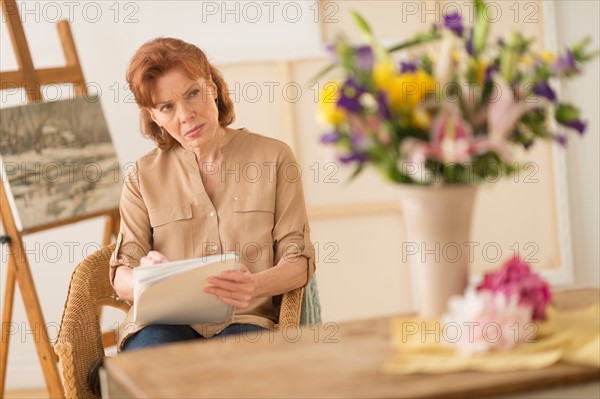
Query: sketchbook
(173, 292)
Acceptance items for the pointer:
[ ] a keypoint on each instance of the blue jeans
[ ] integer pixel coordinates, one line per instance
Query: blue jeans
(156, 334)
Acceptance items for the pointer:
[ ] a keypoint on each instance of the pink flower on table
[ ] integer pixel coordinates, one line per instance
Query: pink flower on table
(515, 277)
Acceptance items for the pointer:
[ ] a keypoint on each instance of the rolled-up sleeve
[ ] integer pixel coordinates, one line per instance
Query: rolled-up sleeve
(291, 232)
(135, 234)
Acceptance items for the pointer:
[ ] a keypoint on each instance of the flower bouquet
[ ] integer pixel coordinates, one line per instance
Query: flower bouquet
(438, 123)
(451, 117)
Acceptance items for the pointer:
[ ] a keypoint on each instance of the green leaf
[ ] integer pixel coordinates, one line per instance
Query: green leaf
(322, 72)
(566, 113)
(579, 51)
(426, 63)
(481, 28)
(356, 172)
(422, 38)
(361, 23)
(509, 57)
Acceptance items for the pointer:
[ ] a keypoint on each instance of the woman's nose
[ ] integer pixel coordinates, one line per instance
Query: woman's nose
(185, 112)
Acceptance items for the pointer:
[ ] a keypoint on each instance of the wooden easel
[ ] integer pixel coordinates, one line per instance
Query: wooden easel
(32, 80)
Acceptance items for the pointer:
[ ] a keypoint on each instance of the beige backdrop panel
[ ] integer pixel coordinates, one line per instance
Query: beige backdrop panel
(248, 85)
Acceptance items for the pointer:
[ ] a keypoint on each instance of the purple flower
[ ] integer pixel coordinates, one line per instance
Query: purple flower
(565, 64)
(331, 137)
(383, 106)
(560, 139)
(576, 124)
(469, 43)
(543, 89)
(353, 157)
(350, 94)
(453, 21)
(407, 67)
(331, 49)
(364, 57)
(516, 278)
(488, 73)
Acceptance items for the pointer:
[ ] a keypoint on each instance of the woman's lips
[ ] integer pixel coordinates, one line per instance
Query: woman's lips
(194, 132)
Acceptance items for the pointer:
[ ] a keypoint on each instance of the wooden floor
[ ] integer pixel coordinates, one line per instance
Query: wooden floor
(27, 393)
(582, 391)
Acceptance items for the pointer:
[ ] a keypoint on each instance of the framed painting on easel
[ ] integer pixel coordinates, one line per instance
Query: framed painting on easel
(58, 161)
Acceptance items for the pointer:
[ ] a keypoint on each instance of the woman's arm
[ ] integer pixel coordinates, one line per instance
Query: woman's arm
(133, 242)
(238, 288)
(285, 276)
(123, 283)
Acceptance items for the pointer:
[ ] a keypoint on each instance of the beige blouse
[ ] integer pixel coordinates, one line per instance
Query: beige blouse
(258, 211)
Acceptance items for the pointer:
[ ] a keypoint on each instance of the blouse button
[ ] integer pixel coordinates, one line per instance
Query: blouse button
(235, 198)
(212, 214)
(214, 247)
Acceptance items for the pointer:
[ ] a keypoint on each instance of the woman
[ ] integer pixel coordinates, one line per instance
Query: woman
(207, 189)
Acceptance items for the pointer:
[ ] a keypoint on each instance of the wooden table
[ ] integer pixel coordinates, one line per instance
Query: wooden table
(334, 360)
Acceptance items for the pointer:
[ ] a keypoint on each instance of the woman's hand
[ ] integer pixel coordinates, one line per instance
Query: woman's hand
(153, 258)
(235, 288)
(124, 275)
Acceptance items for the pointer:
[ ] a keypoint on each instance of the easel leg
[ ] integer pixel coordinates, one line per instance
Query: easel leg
(9, 295)
(46, 355)
(108, 230)
(111, 227)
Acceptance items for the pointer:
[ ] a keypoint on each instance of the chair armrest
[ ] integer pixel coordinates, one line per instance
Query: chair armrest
(291, 305)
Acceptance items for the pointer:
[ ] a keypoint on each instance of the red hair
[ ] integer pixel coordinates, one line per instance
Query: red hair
(155, 58)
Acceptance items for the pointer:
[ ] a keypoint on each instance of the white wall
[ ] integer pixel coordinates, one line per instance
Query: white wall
(577, 18)
(105, 47)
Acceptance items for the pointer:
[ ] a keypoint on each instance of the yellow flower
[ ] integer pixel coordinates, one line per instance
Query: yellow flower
(421, 118)
(456, 56)
(411, 88)
(481, 68)
(547, 56)
(329, 111)
(404, 90)
(384, 73)
(526, 60)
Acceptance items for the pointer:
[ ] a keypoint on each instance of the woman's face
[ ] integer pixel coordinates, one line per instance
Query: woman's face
(186, 108)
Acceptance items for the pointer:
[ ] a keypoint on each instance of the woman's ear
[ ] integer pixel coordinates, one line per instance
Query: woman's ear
(151, 113)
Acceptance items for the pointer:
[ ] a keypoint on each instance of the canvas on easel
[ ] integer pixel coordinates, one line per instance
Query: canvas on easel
(58, 161)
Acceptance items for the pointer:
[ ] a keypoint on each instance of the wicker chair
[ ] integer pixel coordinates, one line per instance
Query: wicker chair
(80, 342)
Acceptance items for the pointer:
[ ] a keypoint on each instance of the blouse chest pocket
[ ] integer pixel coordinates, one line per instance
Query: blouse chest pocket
(256, 203)
(172, 230)
(255, 212)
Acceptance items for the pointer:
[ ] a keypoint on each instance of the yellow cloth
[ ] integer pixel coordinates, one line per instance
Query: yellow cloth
(567, 336)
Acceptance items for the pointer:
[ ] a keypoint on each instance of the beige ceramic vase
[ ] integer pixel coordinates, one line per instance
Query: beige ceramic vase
(438, 225)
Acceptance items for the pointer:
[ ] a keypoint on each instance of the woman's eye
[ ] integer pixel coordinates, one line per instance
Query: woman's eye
(166, 107)
(194, 93)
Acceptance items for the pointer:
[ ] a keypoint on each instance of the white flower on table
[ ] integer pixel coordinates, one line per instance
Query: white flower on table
(481, 321)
